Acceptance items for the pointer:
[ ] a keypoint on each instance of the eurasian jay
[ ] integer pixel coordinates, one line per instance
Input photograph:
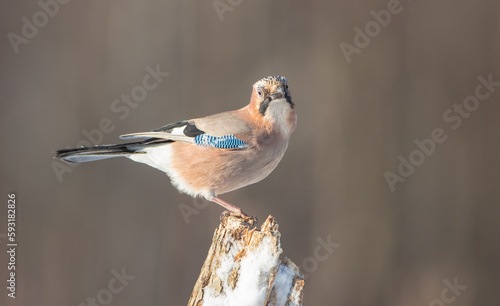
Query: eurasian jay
(213, 155)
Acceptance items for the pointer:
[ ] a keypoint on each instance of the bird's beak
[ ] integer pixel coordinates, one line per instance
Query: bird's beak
(277, 95)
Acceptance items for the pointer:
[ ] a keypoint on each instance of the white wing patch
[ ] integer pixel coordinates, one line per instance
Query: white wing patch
(178, 131)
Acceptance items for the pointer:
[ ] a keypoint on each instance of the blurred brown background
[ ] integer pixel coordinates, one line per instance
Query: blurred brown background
(354, 119)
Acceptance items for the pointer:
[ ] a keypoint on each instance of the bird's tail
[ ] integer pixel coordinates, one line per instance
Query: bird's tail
(86, 154)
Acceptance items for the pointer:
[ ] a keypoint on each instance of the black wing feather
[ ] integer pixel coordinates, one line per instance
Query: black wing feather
(190, 129)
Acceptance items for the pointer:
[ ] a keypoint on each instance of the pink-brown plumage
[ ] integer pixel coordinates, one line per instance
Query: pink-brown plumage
(263, 126)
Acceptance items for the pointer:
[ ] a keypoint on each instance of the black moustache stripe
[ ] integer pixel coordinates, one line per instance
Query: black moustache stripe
(289, 99)
(264, 105)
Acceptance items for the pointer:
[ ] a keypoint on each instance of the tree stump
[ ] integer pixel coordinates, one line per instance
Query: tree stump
(243, 267)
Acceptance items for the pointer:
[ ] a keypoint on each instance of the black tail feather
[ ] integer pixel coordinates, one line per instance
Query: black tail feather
(85, 154)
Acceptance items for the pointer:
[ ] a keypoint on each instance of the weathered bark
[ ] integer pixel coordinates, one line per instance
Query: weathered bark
(243, 267)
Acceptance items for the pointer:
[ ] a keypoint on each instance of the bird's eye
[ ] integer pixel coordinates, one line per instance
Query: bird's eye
(259, 92)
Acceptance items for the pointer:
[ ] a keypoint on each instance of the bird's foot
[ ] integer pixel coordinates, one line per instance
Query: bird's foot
(232, 210)
(238, 214)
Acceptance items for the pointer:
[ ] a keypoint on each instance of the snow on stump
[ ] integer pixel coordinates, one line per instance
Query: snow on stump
(243, 267)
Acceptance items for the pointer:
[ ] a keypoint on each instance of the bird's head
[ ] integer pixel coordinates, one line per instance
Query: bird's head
(272, 102)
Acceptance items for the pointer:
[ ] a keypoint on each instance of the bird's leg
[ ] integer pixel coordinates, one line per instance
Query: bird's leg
(233, 209)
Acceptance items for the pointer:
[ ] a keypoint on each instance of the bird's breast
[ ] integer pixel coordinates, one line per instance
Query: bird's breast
(198, 170)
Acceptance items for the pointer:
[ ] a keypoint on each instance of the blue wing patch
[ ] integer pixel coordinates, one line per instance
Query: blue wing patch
(223, 142)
